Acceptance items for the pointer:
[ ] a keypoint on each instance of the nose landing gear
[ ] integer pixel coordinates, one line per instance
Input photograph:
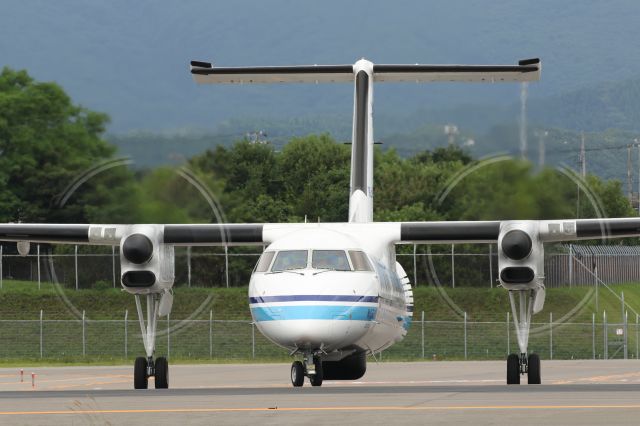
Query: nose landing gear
(311, 367)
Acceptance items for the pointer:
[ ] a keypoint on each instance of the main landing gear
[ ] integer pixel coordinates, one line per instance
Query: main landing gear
(147, 367)
(310, 367)
(522, 364)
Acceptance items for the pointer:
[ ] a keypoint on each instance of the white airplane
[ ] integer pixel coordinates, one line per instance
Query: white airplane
(333, 293)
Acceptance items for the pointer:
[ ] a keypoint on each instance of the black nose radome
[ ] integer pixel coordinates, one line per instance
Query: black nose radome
(137, 248)
(516, 244)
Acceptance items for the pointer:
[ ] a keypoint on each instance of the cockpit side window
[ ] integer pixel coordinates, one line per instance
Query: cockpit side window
(265, 261)
(290, 259)
(360, 261)
(330, 259)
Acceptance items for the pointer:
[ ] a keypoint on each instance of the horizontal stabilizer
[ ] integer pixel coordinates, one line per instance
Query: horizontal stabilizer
(279, 74)
(525, 70)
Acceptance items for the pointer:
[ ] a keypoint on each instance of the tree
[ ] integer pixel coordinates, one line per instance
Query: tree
(46, 143)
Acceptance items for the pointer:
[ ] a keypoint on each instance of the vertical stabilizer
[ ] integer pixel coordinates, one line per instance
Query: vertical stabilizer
(361, 193)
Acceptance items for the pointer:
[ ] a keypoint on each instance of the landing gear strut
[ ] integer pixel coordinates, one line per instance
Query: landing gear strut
(311, 367)
(147, 367)
(524, 363)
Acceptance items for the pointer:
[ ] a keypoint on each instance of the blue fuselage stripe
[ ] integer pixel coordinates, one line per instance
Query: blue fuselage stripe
(314, 312)
(313, 298)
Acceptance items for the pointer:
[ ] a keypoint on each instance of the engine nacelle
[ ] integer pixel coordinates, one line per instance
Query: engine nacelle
(147, 264)
(520, 255)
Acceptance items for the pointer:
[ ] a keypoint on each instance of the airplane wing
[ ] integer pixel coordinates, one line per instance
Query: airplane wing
(179, 235)
(254, 234)
(489, 231)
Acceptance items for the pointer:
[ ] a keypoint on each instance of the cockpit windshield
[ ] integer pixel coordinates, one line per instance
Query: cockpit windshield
(290, 259)
(330, 259)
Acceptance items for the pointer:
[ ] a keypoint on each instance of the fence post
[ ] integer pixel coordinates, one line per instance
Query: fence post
(593, 334)
(453, 267)
(76, 265)
(465, 335)
(0, 266)
(189, 266)
(550, 335)
(606, 338)
(113, 264)
(226, 264)
(126, 332)
(597, 288)
(626, 341)
(211, 333)
(415, 266)
(508, 342)
(422, 322)
(570, 265)
(253, 340)
(84, 352)
(38, 258)
(637, 346)
(41, 336)
(491, 265)
(168, 335)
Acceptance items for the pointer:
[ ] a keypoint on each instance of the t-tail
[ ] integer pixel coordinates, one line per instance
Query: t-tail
(363, 74)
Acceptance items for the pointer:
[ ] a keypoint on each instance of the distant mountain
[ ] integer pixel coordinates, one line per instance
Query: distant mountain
(130, 59)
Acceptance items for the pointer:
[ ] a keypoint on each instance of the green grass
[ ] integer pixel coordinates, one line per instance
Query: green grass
(23, 300)
(231, 341)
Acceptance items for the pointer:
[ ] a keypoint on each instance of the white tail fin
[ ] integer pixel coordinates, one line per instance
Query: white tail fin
(363, 74)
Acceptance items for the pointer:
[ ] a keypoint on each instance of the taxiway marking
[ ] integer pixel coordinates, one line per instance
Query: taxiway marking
(338, 408)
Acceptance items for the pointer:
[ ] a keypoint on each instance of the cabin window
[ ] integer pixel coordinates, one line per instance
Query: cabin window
(290, 259)
(330, 259)
(359, 261)
(265, 261)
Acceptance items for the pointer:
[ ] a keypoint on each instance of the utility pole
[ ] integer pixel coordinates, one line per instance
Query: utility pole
(637, 144)
(451, 130)
(583, 158)
(541, 137)
(629, 189)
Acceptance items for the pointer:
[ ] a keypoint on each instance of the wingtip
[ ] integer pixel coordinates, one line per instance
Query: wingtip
(531, 61)
(201, 64)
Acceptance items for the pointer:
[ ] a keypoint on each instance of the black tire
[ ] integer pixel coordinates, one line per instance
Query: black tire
(533, 373)
(316, 379)
(140, 379)
(162, 373)
(513, 369)
(297, 374)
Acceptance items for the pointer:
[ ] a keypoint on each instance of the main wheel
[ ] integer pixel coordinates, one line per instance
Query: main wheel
(297, 374)
(513, 369)
(316, 379)
(162, 373)
(533, 372)
(140, 379)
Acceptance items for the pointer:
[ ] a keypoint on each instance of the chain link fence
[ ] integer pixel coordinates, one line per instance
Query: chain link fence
(240, 340)
(468, 265)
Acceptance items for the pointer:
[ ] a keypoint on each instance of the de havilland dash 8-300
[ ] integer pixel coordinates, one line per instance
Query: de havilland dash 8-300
(333, 293)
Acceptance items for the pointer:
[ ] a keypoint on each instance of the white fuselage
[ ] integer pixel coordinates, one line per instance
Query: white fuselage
(311, 309)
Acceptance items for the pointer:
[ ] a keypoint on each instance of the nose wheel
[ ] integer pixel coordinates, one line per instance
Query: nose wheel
(311, 368)
(297, 374)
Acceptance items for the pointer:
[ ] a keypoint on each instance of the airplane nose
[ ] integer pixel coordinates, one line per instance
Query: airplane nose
(328, 311)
